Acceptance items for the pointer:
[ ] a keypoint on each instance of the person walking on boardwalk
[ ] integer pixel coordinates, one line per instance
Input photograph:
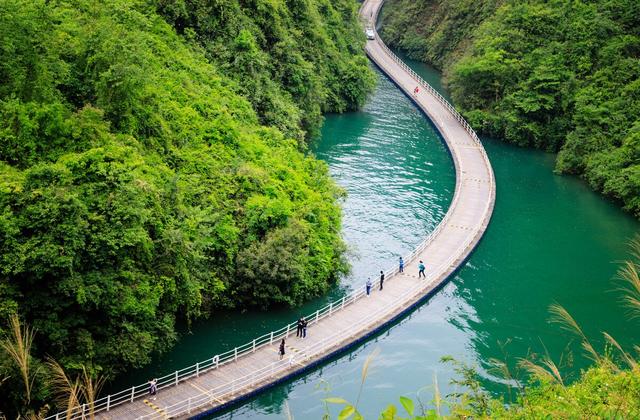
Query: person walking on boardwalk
(153, 387)
(281, 350)
(299, 328)
(401, 265)
(421, 268)
(304, 328)
(416, 91)
(368, 286)
(381, 279)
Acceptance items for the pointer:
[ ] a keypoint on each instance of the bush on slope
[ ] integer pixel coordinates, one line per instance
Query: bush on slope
(136, 186)
(561, 76)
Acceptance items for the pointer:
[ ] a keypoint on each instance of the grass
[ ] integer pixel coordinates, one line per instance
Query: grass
(17, 345)
(610, 388)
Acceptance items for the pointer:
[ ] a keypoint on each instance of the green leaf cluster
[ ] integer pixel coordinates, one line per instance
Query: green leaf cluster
(602, 392)
(292, 59)
(557, 75)
(138, 187)
(437, 32)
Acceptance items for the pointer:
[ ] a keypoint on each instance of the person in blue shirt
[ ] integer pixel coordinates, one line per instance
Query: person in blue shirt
(421, 268)
(368, 286)
(401, 262)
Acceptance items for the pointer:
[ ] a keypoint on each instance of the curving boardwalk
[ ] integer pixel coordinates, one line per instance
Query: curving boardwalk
(244, 371)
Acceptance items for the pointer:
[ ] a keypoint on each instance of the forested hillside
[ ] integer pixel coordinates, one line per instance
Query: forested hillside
(293, 59)
(151, 167)
(561, 76)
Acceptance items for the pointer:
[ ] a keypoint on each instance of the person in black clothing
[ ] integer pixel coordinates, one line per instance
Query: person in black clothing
(304, 328)
(281, 351)
(299, 329)
(381, 279)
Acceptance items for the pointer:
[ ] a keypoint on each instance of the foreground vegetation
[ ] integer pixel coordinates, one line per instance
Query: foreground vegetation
(557, 75)
(152, 168)
(608, 389)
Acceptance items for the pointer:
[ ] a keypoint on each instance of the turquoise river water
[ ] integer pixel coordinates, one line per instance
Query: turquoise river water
(551, 240)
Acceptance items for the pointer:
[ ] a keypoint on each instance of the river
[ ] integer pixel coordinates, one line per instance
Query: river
(551, 240)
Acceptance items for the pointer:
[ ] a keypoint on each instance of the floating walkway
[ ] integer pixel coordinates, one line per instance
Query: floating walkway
(246, 370)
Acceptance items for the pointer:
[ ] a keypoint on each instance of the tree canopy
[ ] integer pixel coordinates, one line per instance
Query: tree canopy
(561, 76)
(152, 166)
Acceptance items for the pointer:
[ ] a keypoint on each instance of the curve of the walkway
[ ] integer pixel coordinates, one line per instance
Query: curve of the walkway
(242, 372)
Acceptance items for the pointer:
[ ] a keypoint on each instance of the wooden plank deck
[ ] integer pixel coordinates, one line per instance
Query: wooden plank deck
(462, 228)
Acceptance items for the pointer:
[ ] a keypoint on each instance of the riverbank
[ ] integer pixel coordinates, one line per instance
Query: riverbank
(554, 75)
(539, 246)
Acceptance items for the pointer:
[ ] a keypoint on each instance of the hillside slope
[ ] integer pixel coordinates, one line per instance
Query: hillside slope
(292, 59)
(139, 187)
(561, 76)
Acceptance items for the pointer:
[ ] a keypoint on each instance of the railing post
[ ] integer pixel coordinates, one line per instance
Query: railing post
(108, 402)
(254, 345)
(344, 298)
(133, 392)
(330, 308)
(287, 334)
(197, 369)
(83, 409)
(235, 354)
(271, 338)
(317, 315)
(216, 360)
(57, 416)
(189, 406)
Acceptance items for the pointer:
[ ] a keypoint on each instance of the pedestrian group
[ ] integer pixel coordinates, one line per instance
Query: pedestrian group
(302, 328)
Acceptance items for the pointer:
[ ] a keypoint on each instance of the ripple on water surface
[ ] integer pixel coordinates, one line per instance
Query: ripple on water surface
(398, 175)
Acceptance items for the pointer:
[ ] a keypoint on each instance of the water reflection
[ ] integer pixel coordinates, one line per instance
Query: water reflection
(551, 239)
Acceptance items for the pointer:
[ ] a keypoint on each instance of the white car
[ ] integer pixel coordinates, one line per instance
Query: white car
(370, 33)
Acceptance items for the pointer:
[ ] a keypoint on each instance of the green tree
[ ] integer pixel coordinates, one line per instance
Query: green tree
(560, 76)
(136, 181)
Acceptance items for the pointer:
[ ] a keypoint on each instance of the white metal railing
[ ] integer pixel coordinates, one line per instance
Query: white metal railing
(225, 391)
(424, 84)
(259, 375)
(129, 395)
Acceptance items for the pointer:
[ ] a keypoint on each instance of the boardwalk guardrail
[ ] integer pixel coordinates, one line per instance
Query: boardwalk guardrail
(223, 392)
(216, 361)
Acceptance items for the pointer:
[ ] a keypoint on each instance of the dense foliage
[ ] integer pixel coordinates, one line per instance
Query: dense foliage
(293, 59)
(602, 392)
(562, 76)
(137, 185)
(437, 32)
